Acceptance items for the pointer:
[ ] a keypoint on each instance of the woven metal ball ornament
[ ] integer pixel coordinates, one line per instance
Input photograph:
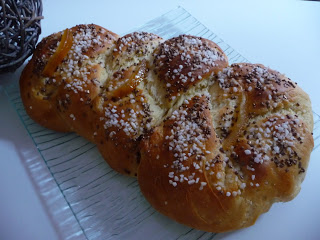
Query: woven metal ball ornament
(19, 31)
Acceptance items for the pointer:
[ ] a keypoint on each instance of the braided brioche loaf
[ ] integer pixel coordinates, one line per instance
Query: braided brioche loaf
(213, 145)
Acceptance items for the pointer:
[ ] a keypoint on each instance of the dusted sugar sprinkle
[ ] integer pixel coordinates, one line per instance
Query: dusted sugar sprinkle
(259, 81)
(186, 60)
(76, 66)
(135, 43)
(134, 47)
(186, 140)
(227, 82)
(276, 137)
(188, 130)
(76, 73)
(133, 121)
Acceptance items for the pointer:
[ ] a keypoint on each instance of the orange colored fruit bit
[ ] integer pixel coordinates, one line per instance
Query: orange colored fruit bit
(60, 53)
(135, 78)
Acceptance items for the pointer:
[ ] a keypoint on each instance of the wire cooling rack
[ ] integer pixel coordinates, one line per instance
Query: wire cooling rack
(85, 197)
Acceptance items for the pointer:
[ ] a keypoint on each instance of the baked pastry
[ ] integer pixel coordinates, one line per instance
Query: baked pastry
(213, 145)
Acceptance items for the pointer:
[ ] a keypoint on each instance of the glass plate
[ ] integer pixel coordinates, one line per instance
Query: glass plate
(84, 196)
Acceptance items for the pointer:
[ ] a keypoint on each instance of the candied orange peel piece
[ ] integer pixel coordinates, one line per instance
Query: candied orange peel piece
(60, 53)
(135, 78)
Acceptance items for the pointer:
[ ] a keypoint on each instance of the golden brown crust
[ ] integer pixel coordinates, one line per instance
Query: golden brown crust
(213, 146)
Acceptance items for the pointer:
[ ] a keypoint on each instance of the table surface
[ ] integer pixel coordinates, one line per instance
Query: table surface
(283, 35)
